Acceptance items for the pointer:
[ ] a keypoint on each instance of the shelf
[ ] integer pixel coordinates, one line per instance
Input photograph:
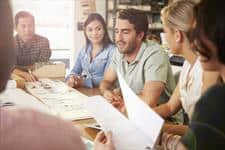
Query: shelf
(140, 7)
(152, 10)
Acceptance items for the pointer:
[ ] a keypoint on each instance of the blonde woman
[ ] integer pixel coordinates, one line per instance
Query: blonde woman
(177, 19)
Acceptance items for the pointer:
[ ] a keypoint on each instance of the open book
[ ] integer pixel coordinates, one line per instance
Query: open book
(139, 131)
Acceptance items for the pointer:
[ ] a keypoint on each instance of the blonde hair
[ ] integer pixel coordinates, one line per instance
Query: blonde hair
(179, 15)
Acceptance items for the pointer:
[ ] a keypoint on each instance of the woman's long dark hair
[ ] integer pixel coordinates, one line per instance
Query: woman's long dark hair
(210, 23)
(98, 17)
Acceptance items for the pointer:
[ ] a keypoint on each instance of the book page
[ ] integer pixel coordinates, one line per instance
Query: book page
(139, 113)
(125, 135)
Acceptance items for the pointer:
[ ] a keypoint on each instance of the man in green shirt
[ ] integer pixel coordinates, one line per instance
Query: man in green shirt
(143, 64)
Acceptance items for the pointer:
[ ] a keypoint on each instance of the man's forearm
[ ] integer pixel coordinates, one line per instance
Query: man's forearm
(151, 92)
(163, 110)
(175, 129)
(150, 98)
(18, 72)
(105, 85)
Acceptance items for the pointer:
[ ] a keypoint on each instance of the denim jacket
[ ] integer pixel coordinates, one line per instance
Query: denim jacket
(92, 72)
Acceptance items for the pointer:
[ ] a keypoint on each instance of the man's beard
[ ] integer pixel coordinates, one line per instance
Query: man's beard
(129, 49)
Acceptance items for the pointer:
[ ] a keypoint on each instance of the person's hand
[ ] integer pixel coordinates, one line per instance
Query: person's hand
(29, 77)
(70, 81)
(115, 98)
(118, 92)
(119, 105)
(108, 95)
(170, 141)
(118, 100)
(74, 81)
(103, 142)
(114, 95)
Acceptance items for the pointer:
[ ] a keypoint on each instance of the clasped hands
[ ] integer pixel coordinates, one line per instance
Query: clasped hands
(115, 98)
(29, 76)
(74, 81)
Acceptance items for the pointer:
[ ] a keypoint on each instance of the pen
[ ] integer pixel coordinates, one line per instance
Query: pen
(5, 104)
(82, 77)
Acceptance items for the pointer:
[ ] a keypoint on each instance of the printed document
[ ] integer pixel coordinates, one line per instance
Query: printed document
(66, 102)
(140, 113)
(139, 131)
(126, 136)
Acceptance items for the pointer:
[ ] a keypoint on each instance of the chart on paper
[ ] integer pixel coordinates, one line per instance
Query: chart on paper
(64, 101)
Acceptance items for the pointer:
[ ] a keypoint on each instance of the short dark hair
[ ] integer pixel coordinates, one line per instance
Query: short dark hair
(98, 17)
(210, 22)
(23, 14)
(136, 17)
(7, 56)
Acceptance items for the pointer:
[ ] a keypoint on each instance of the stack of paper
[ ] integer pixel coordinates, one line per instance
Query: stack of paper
(66, 102)
(142, 128)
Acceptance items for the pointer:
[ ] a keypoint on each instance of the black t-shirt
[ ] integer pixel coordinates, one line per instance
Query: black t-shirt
(207, 126)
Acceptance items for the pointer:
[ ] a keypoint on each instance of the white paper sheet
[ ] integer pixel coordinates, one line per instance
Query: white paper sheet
(140, 114)
(66, 102)
(23, 100)
(125, 135)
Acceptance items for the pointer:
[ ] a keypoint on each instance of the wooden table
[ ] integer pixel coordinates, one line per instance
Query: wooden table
(89, 91)
(80, 124)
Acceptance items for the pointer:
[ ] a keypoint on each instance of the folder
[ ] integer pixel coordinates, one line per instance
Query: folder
(53, 70)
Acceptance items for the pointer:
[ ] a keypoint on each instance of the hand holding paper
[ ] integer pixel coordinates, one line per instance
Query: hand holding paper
(125, 135)
(140, 113)
(139, 132)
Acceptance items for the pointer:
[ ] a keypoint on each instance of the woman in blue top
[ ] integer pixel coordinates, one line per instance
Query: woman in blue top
(94, 57)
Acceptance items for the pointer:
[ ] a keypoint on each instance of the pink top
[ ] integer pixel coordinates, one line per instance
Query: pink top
(22, 129)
